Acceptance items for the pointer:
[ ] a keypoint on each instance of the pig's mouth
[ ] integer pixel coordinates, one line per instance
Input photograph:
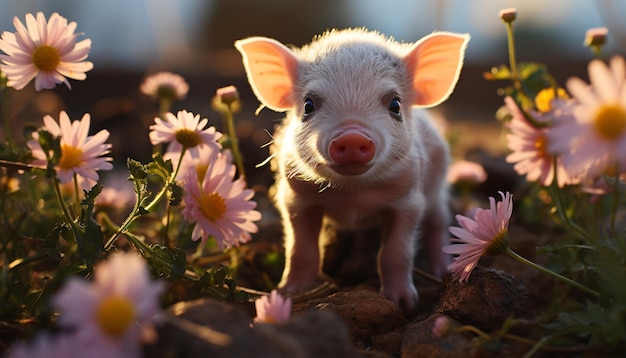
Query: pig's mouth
(350, 169)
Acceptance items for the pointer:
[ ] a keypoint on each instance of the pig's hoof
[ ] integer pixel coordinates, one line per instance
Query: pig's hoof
(405, 298)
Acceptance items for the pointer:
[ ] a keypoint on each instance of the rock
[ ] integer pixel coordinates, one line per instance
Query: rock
(373, 321)
(488, 298)
(189, 330)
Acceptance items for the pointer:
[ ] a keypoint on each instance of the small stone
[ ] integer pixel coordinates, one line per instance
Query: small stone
(370, 317)
(485, 301)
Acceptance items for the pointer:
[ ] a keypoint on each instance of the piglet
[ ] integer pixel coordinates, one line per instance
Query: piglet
(356, 149)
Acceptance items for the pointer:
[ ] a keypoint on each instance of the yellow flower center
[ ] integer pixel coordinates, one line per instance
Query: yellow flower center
(610, 121)
(46, 58)
(499, 244)
(213, 206)
(71, 157)
(541, 145)
(114, 315)
(544, 98)
(188, 138)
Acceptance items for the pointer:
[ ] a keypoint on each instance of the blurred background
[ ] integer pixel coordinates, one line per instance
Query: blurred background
(194, 38)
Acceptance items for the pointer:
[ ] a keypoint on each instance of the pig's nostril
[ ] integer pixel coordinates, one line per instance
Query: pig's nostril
(352, 148)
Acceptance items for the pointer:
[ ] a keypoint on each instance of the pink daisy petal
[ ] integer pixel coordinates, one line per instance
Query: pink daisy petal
(476, 235)
(216, 206)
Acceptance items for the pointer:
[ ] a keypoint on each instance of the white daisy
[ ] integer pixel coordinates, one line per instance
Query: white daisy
(44, 50)
(184, 130)
(116, 309)
(165, 85)
(80, 153)
(596, 140)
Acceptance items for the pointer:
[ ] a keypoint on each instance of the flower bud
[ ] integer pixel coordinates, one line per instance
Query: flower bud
(442, 327)
(596, 37)
(228, 94)
(508, 15)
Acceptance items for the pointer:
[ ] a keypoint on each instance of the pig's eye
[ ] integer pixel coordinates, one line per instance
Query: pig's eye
(394, 105)
(309, 106)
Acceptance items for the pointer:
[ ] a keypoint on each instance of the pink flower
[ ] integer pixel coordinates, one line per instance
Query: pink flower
(165, 84)
(219, 206)
(80, 153)
(206, 155)
(274, 309)
(184, 130)
(44, 50)
(487, 234)
(464, 171)
(596, 139)
(530, 147)
(113, 312)
(602, 185)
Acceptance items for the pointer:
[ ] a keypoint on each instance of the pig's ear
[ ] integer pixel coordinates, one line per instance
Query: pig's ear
(272, 70)
(435, 63)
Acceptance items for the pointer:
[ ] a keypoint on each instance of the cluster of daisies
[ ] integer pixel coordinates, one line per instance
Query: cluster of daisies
(112, 314)
(118, 311)
(48, 51)
(570, 137)
(575, 139)
(578, 138)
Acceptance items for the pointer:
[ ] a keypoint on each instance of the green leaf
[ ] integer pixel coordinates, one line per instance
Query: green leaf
(50, 143)
(176, 194)
(168, 263)
(136, 169)
(159, 167)
(90, 241)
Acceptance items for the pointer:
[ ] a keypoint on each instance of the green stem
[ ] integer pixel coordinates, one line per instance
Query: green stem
(512, 60)
(551, 273)
(76, 194)
(164, 106)
(169, 241)
(172, 178)
(560, 207)
(616, 201)
(135, 212)
(20, 262)
(230, 122)
(75, 229)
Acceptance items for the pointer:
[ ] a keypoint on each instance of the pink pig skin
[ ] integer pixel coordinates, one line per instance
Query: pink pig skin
(355, 149)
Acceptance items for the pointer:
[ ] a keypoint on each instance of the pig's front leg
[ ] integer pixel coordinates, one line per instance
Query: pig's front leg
(395, 258)
(434, 237)
(301, 227)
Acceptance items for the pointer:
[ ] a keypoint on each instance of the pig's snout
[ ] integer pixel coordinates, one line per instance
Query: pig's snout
(351, 153)
(352, 148)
